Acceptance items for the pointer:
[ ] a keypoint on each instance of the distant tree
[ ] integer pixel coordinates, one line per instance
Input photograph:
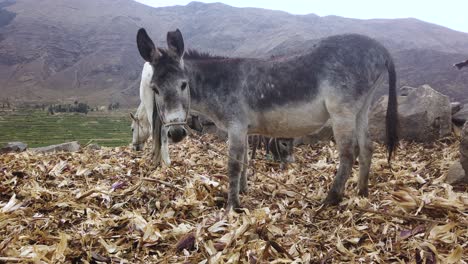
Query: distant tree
(68, 108)
(113, 106)
(50, 110)
(82, 108)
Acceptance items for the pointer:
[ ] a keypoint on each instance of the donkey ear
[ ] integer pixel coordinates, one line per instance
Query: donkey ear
(146, 46)
(175, 42)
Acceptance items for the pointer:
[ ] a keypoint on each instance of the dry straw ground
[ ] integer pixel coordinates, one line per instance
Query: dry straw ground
(110, 206)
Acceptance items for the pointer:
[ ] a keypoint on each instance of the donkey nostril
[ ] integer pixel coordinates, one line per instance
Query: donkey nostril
(184, 133)
(169, 134)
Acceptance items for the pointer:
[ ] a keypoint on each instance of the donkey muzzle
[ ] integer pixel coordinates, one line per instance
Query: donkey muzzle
(137, 147)
(176, 133)
(290, 158)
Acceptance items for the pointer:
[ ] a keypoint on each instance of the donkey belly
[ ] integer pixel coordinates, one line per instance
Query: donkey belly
(292, 120)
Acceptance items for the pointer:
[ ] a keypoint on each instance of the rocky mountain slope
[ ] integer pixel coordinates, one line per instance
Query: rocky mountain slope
(64, 50)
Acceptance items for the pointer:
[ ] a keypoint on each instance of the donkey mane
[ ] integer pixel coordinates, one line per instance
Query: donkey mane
(141, 114)
(196, 55)
(193, 54)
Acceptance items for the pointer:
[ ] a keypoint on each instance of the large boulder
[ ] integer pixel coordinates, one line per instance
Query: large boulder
(460, 117)
(65, 147)
(424, 115)
(13, 147)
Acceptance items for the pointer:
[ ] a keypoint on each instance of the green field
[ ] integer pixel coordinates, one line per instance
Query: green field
(37, 128)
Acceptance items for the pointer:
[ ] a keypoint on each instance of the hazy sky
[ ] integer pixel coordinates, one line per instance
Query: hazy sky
(449, 13)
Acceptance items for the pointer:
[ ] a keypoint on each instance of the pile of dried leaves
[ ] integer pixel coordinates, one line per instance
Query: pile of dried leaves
(112, 206)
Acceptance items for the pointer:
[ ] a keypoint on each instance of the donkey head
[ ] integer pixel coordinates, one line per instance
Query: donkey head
(140, 133)
(282, 149)
(169, 81)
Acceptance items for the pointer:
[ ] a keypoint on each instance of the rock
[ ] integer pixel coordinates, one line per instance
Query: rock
(456, 174)
(324, 133)
(461, 116)
(13, 147)
(456, 107)
(424, 114)
(464, 148)
(93, 147)
(66, 147)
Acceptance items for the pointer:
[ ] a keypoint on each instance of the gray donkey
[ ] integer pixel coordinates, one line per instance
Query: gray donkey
(281, 148)
(279, 97)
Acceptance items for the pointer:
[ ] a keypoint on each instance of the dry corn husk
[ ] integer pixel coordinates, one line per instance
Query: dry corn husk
(113, 206)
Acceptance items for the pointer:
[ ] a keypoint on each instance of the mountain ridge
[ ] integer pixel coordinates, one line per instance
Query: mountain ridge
(63, 50)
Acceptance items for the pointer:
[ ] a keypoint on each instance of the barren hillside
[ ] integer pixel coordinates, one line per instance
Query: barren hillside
(65, 49)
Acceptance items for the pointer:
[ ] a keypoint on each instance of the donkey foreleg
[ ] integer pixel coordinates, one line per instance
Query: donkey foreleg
(164, 147)
(237, 149)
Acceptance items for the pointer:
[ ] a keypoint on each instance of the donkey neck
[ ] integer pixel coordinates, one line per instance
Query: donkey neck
(213, 81)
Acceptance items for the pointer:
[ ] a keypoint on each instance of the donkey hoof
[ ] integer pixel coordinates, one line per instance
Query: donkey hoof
(244, 189)
(364, 192)
(332, 199)
(233, 204)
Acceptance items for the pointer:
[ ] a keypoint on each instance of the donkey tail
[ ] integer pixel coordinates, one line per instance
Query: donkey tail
(391, 120)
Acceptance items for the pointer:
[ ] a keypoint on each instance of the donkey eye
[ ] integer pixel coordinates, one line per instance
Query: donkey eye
(183, 86)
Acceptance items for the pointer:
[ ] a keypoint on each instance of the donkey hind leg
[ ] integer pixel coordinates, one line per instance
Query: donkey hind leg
(266, 142)
(345, 137)
(255, 144)
(237, 149)
(245, 160)
(365, 154)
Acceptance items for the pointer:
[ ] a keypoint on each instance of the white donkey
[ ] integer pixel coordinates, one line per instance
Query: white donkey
(141, 128)
(142, 121)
